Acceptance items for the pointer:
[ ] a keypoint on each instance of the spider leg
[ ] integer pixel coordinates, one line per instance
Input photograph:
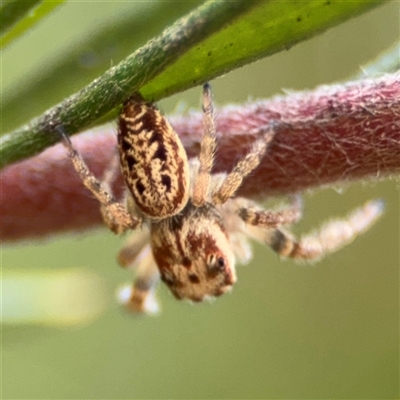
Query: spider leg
(243, 168)
(253, 215)
(140, 297)
(132, 250)
(110, 174)
(115, 215)
(208, 145)
(331, 237)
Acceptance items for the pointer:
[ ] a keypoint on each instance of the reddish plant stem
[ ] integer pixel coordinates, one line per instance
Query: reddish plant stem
(334, 134)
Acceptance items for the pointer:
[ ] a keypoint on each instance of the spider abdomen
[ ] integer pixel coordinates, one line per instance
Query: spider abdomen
(153, 161)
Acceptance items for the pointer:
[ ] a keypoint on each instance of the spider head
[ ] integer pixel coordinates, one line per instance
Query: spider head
(194, 254)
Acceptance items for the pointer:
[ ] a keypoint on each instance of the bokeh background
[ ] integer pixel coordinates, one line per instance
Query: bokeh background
(327, 330)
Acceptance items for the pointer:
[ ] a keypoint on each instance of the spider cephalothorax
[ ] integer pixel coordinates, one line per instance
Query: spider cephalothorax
(193, 228)
(193, 253)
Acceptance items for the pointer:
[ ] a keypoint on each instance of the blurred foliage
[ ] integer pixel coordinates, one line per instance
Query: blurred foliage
(19, 16)
(387, 61)
(328, 330)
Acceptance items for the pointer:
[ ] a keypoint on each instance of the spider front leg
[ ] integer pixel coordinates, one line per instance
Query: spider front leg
(244, 167)
(111, 172)
(331, 237)
(115, 215)
(206, 157)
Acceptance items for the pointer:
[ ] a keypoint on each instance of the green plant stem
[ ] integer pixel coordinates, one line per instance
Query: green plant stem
(270, 27)
(184, 55)
(118, 83)
(81, 61)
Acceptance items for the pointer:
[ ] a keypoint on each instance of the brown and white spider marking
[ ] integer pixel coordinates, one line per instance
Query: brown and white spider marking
(192, 227)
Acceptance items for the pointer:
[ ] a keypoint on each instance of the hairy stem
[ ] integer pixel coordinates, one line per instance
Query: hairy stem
(334, 134)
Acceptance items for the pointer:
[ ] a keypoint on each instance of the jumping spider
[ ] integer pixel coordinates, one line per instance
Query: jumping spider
(192, 227)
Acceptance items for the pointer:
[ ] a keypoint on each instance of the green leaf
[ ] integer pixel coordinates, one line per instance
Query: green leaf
(18, 16)
(270, 28)
(206, 43)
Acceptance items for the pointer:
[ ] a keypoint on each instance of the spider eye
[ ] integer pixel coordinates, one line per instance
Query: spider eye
(216, 264)
(221, 263)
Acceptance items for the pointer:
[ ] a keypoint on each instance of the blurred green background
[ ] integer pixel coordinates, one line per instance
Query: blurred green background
(327, 330)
